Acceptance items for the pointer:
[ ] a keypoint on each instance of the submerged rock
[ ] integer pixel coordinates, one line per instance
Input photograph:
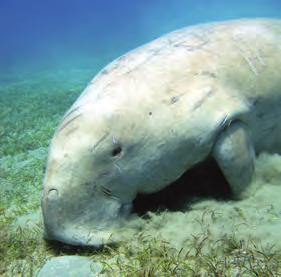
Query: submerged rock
(70, 266)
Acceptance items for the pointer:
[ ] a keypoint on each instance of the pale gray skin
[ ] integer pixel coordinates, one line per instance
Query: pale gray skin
(209, 90)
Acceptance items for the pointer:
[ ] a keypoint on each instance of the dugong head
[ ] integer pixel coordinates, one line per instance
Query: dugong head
(116, 141)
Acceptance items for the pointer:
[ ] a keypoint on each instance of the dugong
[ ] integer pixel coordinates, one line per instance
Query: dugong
(211, 90)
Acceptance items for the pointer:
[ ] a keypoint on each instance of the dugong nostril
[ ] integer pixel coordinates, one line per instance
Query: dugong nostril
(53, 194)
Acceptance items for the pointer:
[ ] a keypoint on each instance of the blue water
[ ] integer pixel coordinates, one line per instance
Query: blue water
(48, 34)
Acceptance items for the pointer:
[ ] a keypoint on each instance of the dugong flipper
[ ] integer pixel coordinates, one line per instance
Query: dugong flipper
(157, 111)
(235, 154)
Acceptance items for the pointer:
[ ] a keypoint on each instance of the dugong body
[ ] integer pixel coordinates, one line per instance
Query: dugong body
(208, 90)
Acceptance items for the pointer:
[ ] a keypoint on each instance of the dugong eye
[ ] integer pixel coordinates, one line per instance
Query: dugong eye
(116, 151)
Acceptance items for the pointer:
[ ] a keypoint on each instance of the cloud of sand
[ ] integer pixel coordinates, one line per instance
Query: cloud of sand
(257, 218)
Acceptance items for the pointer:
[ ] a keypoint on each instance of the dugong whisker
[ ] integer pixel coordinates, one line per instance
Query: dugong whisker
(106, 191)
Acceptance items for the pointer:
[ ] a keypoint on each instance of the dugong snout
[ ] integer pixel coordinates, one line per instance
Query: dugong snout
(81, 222)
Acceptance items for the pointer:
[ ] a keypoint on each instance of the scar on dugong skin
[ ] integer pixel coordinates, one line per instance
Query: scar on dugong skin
(211, 90)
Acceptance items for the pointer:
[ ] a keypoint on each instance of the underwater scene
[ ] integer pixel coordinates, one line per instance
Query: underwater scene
(140, 138)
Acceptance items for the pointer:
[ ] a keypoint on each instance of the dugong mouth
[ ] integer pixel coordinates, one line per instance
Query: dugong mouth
(79, 236)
